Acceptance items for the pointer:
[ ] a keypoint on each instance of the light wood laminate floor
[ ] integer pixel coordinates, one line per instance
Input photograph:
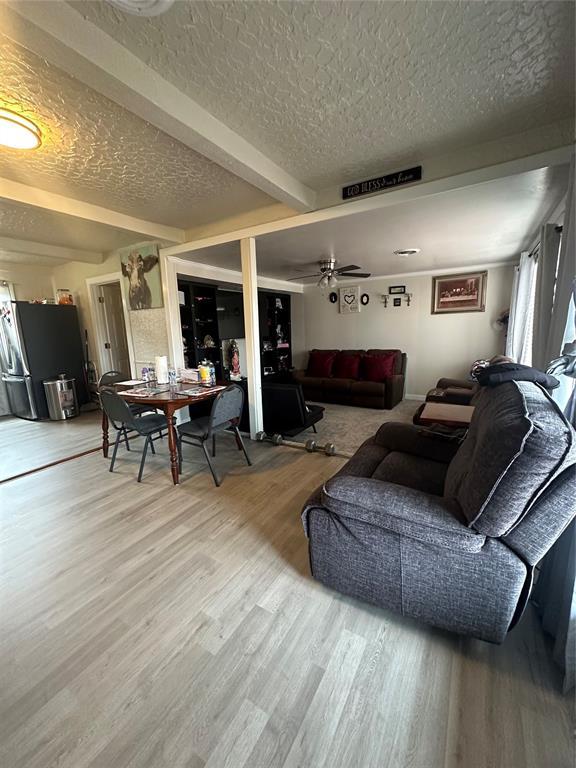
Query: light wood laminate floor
(153, 626)
(26, 445)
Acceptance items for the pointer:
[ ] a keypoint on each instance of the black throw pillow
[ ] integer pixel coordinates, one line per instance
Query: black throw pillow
(493, 375)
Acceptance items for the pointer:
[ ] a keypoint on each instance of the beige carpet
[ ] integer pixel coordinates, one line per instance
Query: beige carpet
(347, 427)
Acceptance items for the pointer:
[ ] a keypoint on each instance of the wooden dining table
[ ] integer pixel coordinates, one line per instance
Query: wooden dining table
(169, 400)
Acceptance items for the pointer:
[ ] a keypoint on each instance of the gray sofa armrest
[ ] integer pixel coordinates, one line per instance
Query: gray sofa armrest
(417, 515)
(418, 441)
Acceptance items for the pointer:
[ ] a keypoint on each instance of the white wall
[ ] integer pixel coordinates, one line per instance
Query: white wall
(147, 327)
(31, 281)
(436, 345)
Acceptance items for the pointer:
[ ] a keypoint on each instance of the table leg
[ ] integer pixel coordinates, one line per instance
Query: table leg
(172, 446)
(105, 443)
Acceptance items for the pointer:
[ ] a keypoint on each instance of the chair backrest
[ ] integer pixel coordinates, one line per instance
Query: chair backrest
(109, 378)
(117, 409)
(226, 409)
(519, 441)
(283, 406)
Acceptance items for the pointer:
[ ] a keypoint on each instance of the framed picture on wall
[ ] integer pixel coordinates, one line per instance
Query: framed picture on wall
(349, 300)
(459, 293)
(141, 269)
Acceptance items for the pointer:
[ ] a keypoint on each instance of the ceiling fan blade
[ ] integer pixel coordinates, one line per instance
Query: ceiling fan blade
(354, 274)
(346, 269)
(304, 277)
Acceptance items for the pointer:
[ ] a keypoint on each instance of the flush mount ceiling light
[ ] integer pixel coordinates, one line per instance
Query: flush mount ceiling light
(18, 132)
(142, 7)
(407, 251)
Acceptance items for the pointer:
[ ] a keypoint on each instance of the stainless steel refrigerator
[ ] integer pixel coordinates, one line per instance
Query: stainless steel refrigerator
(38, 342)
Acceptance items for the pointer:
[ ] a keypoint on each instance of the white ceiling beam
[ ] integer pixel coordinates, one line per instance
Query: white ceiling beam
(375, 202)
(40, 198)
(224, 275)
(28, 247)
(59, 33)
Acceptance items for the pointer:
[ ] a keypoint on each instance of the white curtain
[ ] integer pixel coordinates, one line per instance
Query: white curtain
(520, 326)
(556, 268)
(545, 289)
(555, 591)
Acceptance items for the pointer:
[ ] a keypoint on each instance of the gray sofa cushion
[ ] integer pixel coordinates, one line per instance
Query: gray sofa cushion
(406, 511)
(403, 454)
(517, 442)
(413, 472)
(366, 460)
(418, 441)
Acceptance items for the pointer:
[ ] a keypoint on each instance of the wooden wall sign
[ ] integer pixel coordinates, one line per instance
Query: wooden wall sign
(382, 182)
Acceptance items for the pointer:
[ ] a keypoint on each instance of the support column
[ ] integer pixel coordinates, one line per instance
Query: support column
(252, 330)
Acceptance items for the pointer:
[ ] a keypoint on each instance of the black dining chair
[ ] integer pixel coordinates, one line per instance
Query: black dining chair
(149, 425)
(110, 378)
(224, 416)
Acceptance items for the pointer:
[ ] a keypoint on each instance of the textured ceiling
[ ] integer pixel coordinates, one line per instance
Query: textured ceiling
(25, 222)
(28, 259)
(335, 90)
(98, 152)
(490, 222)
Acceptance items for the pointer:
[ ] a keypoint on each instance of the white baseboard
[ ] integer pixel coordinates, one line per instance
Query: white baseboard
(420, 398)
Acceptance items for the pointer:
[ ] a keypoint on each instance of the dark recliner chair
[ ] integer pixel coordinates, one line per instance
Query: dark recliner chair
(285, 410)
(444, 532)
(454, 391)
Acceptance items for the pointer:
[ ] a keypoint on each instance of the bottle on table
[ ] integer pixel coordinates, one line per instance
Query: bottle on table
(204, 371)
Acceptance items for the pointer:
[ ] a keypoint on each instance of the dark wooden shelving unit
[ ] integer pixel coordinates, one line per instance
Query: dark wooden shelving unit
(275, 334)
(199, 319)
(219, 313)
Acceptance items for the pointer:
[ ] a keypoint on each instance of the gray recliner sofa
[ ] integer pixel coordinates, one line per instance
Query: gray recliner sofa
(447, 533)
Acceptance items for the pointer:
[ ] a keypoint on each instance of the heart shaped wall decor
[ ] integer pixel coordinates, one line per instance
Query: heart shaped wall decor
(349, 298)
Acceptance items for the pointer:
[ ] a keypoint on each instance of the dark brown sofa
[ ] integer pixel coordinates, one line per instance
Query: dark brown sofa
(358, 391)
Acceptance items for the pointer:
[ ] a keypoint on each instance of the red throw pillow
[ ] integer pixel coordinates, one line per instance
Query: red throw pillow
(320, 363)
(346, 366)
(377, 367)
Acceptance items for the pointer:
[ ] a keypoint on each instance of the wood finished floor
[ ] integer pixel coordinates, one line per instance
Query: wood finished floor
(25, 445)
(152, 626)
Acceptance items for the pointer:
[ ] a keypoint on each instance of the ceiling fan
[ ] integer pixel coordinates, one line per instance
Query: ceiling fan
(329, 273)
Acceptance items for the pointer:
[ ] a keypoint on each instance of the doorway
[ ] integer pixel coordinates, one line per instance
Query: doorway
(111, 337)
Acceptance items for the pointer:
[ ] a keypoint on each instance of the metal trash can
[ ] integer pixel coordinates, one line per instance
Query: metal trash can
(61, 397)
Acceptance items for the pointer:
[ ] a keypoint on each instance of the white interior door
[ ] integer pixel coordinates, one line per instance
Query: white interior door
(113, 328)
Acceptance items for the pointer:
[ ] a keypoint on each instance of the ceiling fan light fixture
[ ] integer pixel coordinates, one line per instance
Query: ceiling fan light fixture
(332, 281)
(17, 132)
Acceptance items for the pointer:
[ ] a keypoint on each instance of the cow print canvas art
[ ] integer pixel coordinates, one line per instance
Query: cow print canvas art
(141, 268)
